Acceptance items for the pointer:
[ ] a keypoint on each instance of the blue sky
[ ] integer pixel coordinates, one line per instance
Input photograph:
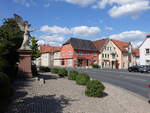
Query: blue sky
(57, 20)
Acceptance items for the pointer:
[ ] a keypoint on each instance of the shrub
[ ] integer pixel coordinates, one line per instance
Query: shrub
(5, 88)
(55, 70)
(94, 88)
(72, 75)
(44, 69)
(82, 78)
(62, 72)
(95, 66)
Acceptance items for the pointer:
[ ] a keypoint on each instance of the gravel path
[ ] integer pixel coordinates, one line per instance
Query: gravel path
(60, 95)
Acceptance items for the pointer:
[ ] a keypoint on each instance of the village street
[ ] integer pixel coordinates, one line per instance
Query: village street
(135, 82)
(60, 95)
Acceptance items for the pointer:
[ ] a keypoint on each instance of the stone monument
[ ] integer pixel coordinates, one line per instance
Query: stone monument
(25, 62)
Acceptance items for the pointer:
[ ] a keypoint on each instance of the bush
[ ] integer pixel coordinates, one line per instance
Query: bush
(5, 88)
(55, 70)
(72, 75)
(62, 72)
(94, 88)
(82, 78)
(95, 66)
(44, 69)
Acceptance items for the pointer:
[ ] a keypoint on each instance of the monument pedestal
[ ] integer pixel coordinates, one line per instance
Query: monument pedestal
(25, 62)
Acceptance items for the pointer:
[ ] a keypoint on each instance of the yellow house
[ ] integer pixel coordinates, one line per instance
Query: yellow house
(114, 54)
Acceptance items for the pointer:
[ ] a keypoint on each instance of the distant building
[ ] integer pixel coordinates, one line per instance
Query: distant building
(145, 51)
(78, 53)
(115, 54)
(136, 53)
(57, 58)
(47, 55)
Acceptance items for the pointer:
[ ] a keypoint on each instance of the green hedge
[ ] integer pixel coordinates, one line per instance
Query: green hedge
(95, 66)
(72, 75)
(62, 72)
(44, 69)
(94, 88)
(82, 79)
(55, 70)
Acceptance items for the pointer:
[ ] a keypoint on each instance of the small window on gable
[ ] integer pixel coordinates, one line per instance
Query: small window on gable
(147, 51)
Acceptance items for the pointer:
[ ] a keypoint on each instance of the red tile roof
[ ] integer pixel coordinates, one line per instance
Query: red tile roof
(121, 45)
(99, 44)
(49, 49)
(136, 52)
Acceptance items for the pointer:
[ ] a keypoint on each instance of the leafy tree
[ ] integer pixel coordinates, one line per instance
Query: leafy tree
(11, 38)
(34, 46)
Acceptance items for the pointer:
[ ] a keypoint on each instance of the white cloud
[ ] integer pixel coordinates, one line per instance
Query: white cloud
(40, 42)
(129, 9)
(85, 31)
(55, 29)
(108, 28)
(26, 3)
(136, 37)
(55, 40)
(81, 2)
(82, 31)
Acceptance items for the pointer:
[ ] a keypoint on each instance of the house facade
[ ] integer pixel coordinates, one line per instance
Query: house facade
(78, 53)
(107, 53)
(56, 59)
(145, 51)
(136, 53)
(115, 54)
(47, 55)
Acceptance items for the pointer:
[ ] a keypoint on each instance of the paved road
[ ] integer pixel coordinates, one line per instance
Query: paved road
(135, 82)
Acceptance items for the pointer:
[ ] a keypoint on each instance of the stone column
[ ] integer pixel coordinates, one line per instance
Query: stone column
(24, 66)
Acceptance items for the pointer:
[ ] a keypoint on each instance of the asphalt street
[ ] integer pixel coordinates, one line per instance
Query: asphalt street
(135, 82)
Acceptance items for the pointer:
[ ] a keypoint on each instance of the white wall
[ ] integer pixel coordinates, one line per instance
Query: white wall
(143, 55)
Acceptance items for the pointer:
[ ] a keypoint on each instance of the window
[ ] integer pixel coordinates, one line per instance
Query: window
(80, 53)
(102, 55)
(95, 54)
(147, 51)
(108, 55)
(70, 53)
(107, 48)
(69, 62)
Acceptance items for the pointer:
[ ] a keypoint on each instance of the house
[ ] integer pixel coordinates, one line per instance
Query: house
(47, 55)
(56, 59)
(136, 53)
(78, 53)
(114, 53)
(145, 51)
(107, 53)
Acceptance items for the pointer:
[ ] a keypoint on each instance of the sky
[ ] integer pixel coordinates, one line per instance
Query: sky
(55, 21)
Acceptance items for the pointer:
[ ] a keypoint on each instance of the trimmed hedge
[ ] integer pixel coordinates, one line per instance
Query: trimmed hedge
(55, 70)
(94, 88)
(72, 75)
(62, 72)
(34, 70)
(82, 79)
(44, 69)
(95, 66)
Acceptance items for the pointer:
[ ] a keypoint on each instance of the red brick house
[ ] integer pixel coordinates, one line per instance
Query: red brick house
(78, 53)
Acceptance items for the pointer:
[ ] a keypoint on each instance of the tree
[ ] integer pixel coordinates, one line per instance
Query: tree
(11, 38)
(34, 46)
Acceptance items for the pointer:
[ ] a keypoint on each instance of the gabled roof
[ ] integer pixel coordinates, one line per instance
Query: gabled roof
(81, 44)
(121, 45)
(148, 36)
(49, 49)
(136, 52)
(99, 44)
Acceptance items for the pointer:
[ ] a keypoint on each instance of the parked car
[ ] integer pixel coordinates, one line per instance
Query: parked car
(144, 69)
(134, 69)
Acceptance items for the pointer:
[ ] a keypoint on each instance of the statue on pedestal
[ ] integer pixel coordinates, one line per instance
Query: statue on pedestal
(24, 26)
